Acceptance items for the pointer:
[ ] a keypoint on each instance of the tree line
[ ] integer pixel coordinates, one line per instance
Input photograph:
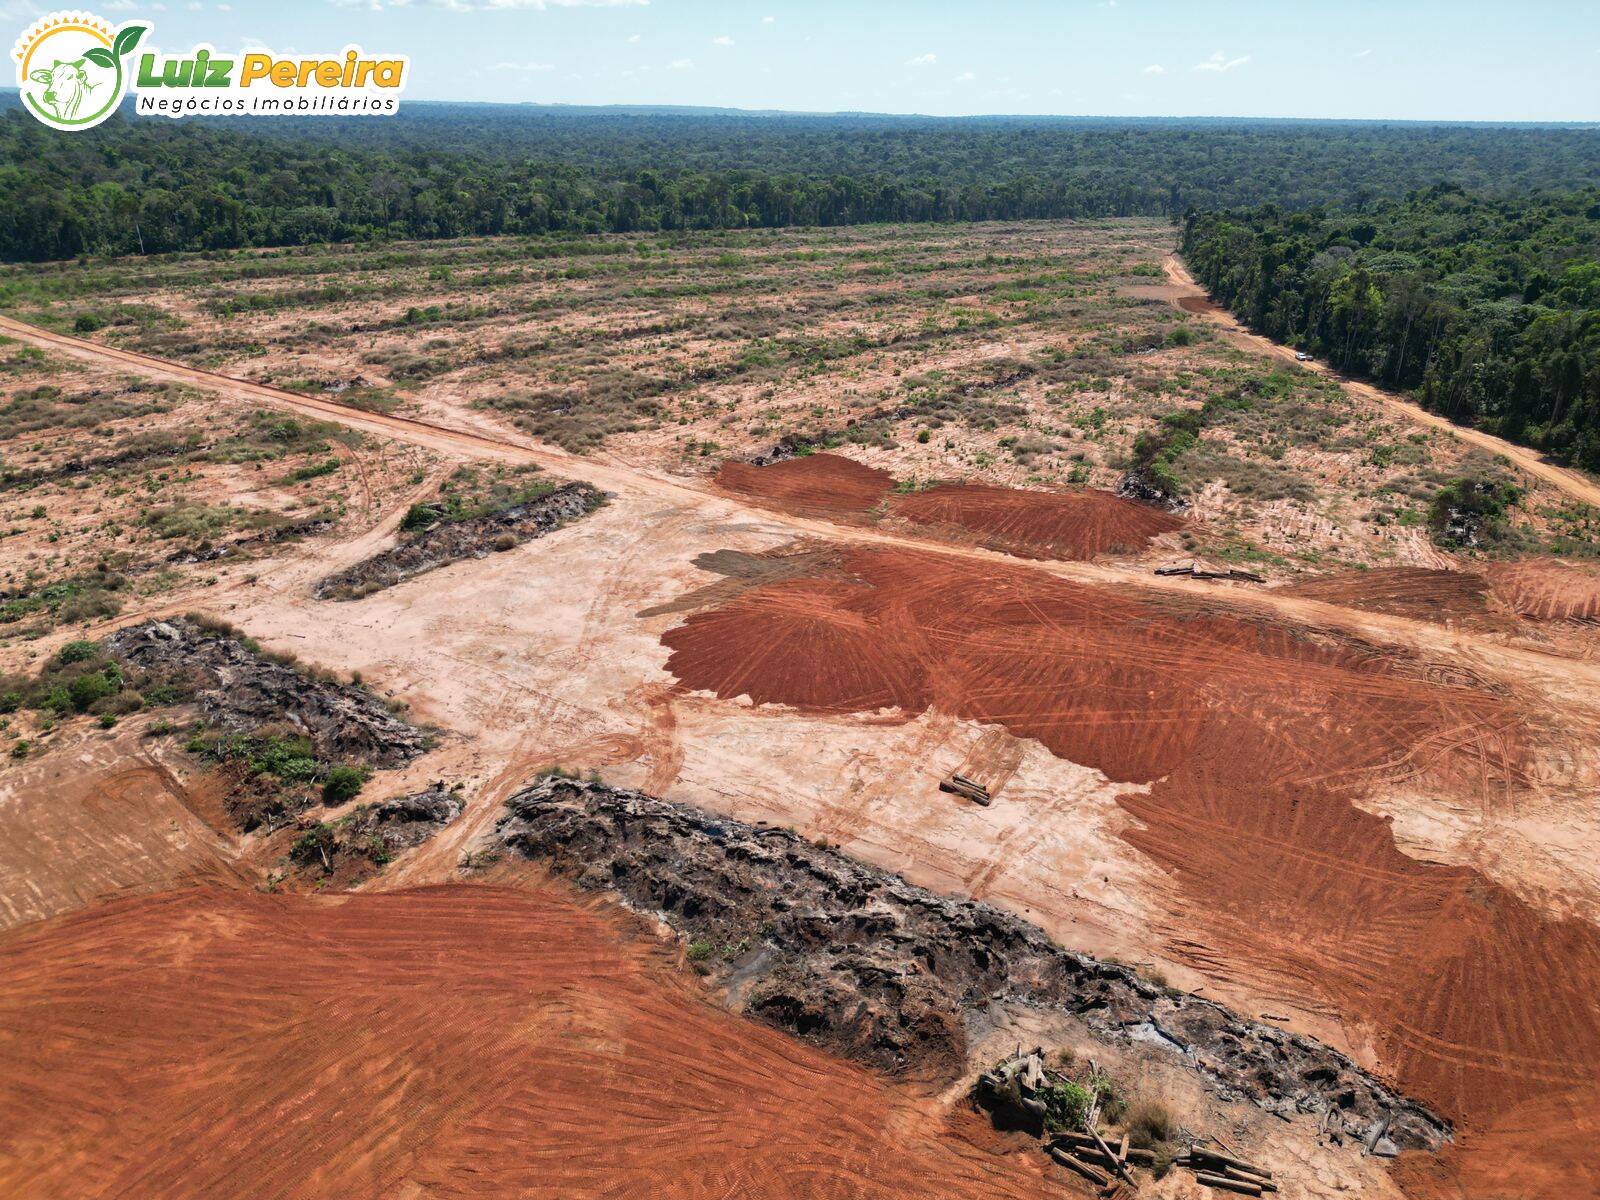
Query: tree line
(141, 185)
(1487, 308)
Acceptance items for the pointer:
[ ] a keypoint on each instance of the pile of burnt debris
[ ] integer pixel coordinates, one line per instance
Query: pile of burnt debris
(1143, 487)
(361, 842)
(208, 552)
(451, 541)
(405, 821)
(859, 960)
(240, 689)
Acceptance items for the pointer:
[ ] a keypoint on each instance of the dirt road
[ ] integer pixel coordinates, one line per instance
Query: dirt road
(1575, 484)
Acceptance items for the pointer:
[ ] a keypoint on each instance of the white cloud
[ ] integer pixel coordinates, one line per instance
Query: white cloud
(965, 77)
(1155, 69)
(1221, 62)
(634, 40)
(768, 20)
(722, 40)
(923, 60)
(1361, 53)
(681, 64)
(525, 67)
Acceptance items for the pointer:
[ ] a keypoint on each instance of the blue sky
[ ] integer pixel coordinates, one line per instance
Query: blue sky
(1403, 59)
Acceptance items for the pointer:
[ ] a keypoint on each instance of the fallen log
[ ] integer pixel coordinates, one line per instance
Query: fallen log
(1073, 1163)
(1227, 1183)
(966, 793)
(1116, 1163)
(1224, 1161)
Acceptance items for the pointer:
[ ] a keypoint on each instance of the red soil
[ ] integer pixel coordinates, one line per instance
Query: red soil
(1255, 738)
(1063, 525)
(813, 485)
(1548, 590)
(446, 1042)
(1416, 592)
(1067, 525)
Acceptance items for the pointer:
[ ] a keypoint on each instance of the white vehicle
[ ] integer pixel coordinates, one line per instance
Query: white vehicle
(1301, 356)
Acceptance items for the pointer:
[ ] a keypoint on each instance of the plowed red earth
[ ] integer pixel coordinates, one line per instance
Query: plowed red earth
(445, 1042)
(1255, 739)
(1416, 592)
(812, 485)
(1547, 590)
(1066, 525)
(1062, 525)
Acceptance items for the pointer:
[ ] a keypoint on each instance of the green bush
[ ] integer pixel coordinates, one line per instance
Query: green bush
(343, 783)
(85, 690)
(1065, 1105)
(420, 516)
(76, 652)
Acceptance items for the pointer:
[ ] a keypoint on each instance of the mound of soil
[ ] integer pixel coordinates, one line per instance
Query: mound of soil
(241, 690)
(454, 1042)
(452, 541)
(814, 484)
(1549, 590)
(858, 960)
(1416, 592)
(1031, 524)
(1063, 525)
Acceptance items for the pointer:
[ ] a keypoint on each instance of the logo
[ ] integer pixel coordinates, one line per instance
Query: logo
(73, 68)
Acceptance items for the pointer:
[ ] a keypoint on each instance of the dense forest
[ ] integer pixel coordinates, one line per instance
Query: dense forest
(146, 185)
(1489, 308)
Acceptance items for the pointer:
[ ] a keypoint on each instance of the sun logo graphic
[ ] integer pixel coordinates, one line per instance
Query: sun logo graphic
(71, 67)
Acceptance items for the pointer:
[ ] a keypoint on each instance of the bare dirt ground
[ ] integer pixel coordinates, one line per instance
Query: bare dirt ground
(1364, 803)
(448, 1042)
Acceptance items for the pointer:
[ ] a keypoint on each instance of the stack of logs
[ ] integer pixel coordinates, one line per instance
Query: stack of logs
(1225, 1172)
(970, 789)
(1015, 1096)
(1199, 572)
(1104, 1165)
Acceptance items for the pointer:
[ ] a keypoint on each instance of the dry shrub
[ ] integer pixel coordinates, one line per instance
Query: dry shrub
(1148, 1122)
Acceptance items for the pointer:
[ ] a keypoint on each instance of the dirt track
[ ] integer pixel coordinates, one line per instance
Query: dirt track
(1575, 484)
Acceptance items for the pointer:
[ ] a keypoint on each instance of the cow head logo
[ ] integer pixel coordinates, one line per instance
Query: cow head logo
(72, 69)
